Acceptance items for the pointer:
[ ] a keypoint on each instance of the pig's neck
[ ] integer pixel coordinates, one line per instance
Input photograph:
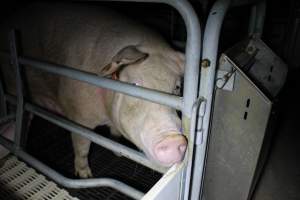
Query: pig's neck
(105, 97)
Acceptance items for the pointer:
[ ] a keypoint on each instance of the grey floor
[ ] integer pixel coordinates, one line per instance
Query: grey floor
(281, 176)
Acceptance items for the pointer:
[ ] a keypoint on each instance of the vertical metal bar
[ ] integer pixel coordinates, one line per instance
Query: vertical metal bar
(207, 82)
(252, 20)
(3, 108)
(257, 19)
(19, 89)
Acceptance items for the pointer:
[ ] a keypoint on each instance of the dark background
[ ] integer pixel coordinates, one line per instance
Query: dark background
(281, 176)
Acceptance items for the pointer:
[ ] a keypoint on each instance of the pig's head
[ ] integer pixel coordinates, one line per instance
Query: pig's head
(154, 128)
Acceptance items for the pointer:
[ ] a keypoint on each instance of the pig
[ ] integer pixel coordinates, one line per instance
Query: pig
(103, 42)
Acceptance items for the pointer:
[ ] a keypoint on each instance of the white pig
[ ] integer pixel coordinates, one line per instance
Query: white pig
(100, 41)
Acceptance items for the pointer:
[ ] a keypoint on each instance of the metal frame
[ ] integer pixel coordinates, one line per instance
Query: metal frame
(207, 83)
(190, 187)
(184, 104)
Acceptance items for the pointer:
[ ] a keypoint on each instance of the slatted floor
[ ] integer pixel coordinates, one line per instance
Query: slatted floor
(52, 145)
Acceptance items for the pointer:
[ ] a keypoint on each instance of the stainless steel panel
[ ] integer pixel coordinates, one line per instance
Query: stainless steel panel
(239, 123)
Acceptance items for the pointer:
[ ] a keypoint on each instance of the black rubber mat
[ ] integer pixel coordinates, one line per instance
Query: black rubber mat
(52, 145)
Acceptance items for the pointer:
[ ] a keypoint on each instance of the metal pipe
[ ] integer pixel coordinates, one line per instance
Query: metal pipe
(80, 183)
(3, 109)
(90, 135)
(187, 172)
(67, 182)
(207, 83)
(19, 89)
(260, 20)
(126, 88)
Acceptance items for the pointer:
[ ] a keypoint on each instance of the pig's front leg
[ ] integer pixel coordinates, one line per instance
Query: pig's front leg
(81, 150)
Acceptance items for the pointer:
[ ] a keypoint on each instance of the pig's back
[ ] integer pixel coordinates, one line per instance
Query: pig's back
(76, 35)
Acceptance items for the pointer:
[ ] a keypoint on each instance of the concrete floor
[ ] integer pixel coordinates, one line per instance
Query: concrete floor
(281, 176)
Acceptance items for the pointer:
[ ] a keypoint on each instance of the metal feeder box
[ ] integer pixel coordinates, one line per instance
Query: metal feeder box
(250, 77)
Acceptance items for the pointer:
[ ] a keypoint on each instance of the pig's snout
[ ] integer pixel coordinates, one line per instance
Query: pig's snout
(170, 150)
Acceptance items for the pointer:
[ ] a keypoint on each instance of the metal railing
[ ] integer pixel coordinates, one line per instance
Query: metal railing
(207, 82)
(184, 104)
(190, 188)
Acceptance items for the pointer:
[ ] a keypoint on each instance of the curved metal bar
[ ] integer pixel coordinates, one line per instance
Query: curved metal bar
(210, 52)
(80, 183)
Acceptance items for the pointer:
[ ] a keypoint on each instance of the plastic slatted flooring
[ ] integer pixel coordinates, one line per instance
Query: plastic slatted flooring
(52, 145)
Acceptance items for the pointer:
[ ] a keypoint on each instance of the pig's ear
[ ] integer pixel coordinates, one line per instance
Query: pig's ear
(126, 56)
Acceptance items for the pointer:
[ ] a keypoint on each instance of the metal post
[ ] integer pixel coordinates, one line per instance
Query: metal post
(207, 82)
(19, 89)
(3, 108)
(257, 19)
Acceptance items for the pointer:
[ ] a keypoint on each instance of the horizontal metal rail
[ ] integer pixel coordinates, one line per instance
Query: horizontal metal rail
(90, 135)
(72, 183)
(126, 88)
(7, 118)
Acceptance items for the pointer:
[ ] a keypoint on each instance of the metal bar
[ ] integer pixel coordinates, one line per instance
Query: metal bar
(81, 183)
(71, 183)
(207, 83)
(257, 19)
(126, 88)
(19, 89)
(187, 172)
(252, 21)
(260, 20)
(3, 108)
(90, 135)
(7, 118)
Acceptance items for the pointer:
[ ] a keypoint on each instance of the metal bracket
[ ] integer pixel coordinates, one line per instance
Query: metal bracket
(201, 113)
(225, 80)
